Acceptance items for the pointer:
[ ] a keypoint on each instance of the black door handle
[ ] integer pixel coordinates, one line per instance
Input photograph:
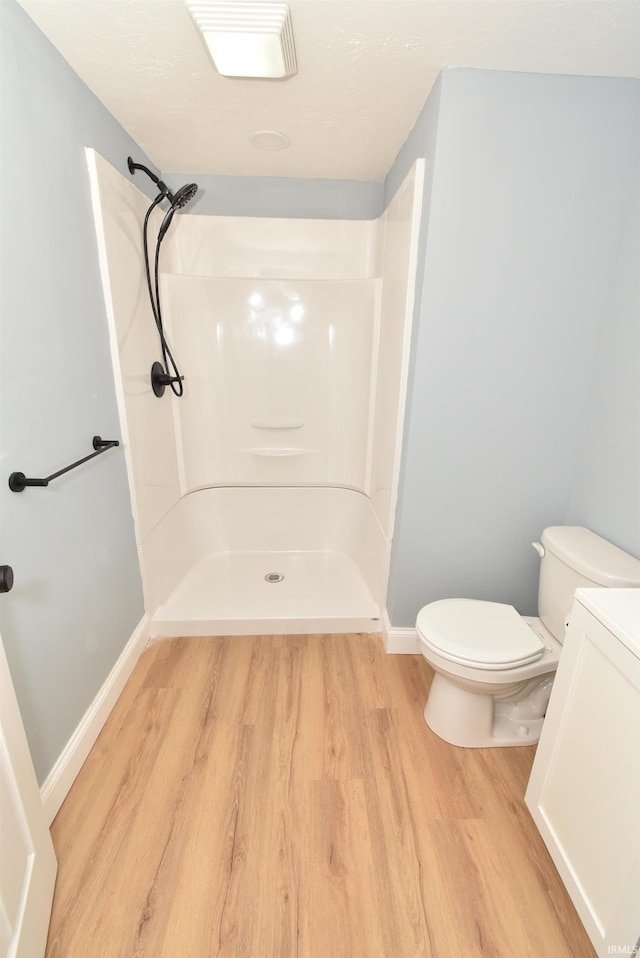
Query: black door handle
(6, 578)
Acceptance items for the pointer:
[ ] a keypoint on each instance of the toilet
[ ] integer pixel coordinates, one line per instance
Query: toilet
(493, 667)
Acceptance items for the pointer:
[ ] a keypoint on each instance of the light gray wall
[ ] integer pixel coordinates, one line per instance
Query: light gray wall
(282, 196)
(77, 596)
(605, 493)
(531, 185)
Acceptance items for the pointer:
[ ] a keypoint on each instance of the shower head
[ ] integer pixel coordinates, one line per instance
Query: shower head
(183, 196)
(177, 200)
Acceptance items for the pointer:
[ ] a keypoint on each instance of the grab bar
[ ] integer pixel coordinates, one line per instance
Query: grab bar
(18, 481)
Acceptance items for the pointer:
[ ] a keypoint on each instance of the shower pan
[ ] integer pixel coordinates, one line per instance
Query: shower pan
(268, 560)
(264, 497)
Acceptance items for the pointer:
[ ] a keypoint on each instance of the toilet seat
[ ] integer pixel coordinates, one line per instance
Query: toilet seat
(478, 634)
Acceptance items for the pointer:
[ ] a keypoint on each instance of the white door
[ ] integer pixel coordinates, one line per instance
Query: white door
(27, 859)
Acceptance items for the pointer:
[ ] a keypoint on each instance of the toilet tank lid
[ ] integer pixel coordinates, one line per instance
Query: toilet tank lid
(592, 556)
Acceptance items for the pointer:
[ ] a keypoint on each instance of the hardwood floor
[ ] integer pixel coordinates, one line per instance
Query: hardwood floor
(282, 797)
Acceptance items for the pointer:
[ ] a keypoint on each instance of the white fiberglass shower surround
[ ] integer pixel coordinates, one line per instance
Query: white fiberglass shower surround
(264, 498)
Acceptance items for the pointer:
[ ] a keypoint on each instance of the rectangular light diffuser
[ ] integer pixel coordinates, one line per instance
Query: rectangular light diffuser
(247, 39)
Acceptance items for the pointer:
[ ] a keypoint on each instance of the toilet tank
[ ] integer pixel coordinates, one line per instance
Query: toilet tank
(576, 558)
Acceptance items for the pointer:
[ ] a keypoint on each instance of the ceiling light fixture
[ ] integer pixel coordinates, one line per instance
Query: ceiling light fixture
(247, 39)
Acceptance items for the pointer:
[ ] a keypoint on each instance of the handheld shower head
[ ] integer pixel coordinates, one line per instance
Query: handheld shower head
(184, 195)
(178, 201)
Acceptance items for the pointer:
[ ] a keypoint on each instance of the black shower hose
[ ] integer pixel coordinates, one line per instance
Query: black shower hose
(169, 364)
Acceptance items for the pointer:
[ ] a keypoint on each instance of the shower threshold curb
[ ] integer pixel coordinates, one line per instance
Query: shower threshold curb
(164, 627)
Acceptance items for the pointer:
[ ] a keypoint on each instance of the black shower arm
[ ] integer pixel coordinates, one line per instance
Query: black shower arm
(164, 189)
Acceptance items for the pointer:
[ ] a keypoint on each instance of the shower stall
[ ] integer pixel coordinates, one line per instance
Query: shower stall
(264, 496)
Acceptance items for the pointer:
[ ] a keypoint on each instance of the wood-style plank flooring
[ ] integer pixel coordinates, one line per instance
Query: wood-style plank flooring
(282, 797)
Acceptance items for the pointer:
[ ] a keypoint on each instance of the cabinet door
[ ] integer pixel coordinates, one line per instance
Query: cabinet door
(584, 790)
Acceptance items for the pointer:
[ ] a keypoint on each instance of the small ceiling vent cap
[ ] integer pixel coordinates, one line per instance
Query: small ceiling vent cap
(247, 39)
(270, 140)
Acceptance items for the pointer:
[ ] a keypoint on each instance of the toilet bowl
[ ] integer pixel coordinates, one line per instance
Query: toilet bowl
(494, 668)
(493, 672)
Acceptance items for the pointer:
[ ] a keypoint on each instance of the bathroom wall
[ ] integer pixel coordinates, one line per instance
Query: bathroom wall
(532, 178)
(280, 196)
(77, 596)
(605, 494)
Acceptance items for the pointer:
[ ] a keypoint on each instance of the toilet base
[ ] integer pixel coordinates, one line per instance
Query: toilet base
(473, 720)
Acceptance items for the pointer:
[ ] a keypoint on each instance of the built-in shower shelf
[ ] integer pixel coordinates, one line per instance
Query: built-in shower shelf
(278, 424)
(280, 451)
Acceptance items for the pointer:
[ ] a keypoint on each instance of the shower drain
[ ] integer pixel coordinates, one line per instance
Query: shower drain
(273, 577)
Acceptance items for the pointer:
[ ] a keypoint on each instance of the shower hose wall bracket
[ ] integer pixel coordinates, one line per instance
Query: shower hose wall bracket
(160, 379)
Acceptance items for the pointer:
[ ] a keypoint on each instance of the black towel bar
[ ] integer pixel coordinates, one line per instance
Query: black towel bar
(18, 481)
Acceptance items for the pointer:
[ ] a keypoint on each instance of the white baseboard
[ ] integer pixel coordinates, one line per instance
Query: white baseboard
(63, 774)
(399, 641)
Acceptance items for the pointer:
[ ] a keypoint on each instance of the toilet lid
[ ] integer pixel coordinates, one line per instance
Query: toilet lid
(487, 635)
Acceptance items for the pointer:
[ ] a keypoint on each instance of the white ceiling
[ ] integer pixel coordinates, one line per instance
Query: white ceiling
(365, 69)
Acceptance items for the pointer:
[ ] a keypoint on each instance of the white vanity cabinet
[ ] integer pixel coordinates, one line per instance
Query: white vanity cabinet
(584, 790)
